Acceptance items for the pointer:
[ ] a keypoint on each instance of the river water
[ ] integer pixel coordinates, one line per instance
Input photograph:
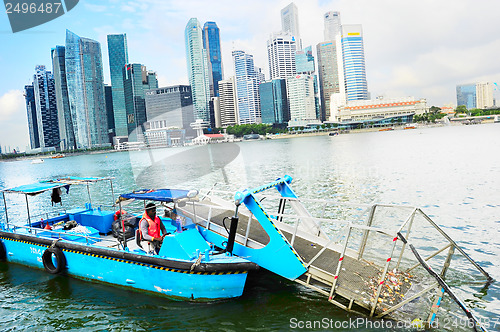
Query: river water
(452, 173)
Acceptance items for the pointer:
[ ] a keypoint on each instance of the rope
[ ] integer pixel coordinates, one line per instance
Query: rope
(198, 261)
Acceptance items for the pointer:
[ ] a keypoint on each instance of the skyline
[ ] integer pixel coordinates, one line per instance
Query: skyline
(422, 49)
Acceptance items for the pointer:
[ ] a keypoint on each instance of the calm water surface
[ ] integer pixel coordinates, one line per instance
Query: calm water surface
(453, 173)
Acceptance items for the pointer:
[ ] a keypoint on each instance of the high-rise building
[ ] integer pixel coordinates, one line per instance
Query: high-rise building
(118, 57)
(247, 88)
(211, 43)
(484, 95)
(136, 80)
(274, 102)
(331, 74)
(84, 76)
(281, 49)
(197, 64)
(300, 91)
(66, 131)
(353, 56)
(466, 95)
(108, 96)
(170, 107)
(304, 64)
(333, 27)
(46, 107)
(290, 22)
(29, 95)
(228, 103)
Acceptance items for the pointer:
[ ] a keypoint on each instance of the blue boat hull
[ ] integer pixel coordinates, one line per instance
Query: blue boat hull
(82, 262)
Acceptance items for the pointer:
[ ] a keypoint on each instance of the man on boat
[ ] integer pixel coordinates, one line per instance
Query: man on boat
(150, 227)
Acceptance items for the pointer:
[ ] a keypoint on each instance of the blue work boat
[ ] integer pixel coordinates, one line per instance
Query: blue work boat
(82, 242)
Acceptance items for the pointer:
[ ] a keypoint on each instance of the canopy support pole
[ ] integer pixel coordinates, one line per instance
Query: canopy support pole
(28, 209)
(6, 215)
(88, 191)
(112, 191)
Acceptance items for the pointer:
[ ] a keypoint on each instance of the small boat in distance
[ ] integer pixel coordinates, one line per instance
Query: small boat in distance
(386, 129)
(37, 161)
(409, 127)
(57, 156)
(496, 119)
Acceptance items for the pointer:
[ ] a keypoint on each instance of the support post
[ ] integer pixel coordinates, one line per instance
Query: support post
(112, 191)
(365, 233)
(6, 215)
(407, 237)
(28, 209)
(341, 259)
(88, 192)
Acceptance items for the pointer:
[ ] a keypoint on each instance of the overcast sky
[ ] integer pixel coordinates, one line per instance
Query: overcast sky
(418, 48)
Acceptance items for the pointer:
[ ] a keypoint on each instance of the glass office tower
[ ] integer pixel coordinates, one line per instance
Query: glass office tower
(86, 91)
(353, 55)
(211, 43)
(118, 57)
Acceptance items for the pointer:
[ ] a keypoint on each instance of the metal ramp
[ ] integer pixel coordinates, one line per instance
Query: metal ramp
(371, 267)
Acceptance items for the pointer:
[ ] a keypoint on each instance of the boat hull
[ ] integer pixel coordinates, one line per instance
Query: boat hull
(129, 271)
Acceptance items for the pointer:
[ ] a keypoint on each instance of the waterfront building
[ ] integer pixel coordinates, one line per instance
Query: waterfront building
(228, 103)
(118, 57)
(333, 27)
(353, 56)
(274, 102)
(85, 81)
(29, 96)
(247, 88)
(108, 96)
(378, 109)
(164, 136)
(211, 43)
(466, 95)
(281, 49)
(66, 131)
(170, 107)
(46, 107)
(197, 69)
(300, 92)
(484, 95)
(331, 74)
(136, 80)
(304, 65)
(290, 22)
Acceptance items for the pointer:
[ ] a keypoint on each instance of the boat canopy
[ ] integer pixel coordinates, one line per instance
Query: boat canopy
(161, 195)
(42, 186)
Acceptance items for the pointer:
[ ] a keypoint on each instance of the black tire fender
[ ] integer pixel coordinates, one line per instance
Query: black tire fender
(3, 252)
(48, 264)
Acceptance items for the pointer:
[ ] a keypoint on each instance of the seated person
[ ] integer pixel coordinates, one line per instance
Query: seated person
(150, 226)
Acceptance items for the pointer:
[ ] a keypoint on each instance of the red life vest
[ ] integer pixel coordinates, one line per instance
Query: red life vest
(154, 226)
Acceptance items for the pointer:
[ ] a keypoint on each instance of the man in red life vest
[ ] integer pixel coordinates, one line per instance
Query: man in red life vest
(150, 227)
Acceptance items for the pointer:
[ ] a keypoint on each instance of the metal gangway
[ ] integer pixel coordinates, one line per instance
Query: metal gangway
(375, 260)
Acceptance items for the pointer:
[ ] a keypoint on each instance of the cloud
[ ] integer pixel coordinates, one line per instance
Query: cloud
(11, 103)
(95, 8)
(13, 120)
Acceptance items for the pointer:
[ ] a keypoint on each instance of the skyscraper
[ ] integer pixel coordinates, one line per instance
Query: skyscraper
(228, 102)
(108, 96)
(66, 131)
(118, 57)
(300, 91)
(46, 107)
(331, 74)
(170, 106)
(86, 91)
(333, 27)
(304, 64)
(274, 102)
(211, 43)
(197, 69)
(353, 56)
(29, 95)
(247, 88)
(136, 80)
(484, 95)
(290, 22)
(466, 95)
(281, 49)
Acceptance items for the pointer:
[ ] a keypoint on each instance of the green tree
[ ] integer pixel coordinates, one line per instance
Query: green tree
(461, 109)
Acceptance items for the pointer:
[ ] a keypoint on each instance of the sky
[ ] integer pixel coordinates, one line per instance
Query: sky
(420, 48)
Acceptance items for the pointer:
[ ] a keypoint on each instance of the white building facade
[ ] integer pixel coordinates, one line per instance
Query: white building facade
(281, 49)
(300, 92)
